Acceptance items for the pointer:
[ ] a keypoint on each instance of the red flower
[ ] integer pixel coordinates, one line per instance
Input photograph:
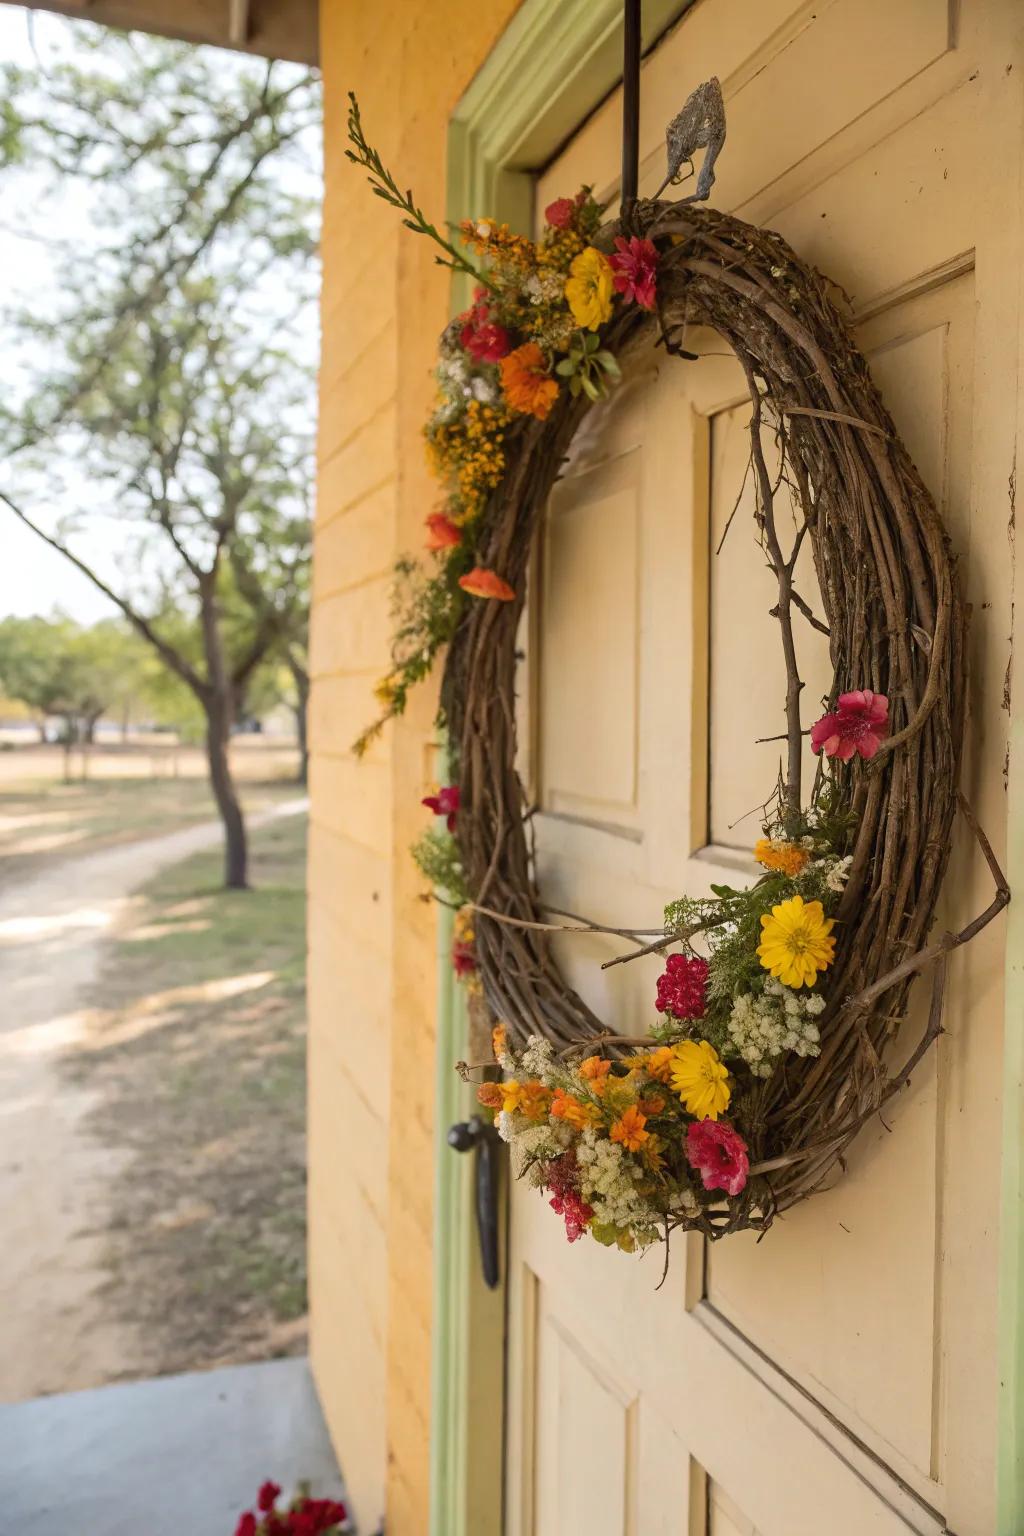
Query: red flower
(482, 583)
(267, 1497)
(859, 723)
(442, 533)
(246, 1524)
(444, 803)
(574, 1210)
(682, 986)
(720, 1155)
(635, 264)
(483, 338)
(463, 959)
(561, 212)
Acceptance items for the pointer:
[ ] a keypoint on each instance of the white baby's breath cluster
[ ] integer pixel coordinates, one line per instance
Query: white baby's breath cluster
(535, 1145)
(608, 1182)
(763, 1026)
(538, 1058)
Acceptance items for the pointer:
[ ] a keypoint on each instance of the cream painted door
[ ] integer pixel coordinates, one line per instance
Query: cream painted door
(840, 1377)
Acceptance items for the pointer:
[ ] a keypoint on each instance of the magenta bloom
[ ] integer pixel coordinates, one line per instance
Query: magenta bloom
(574, 1210)
(483, 338)
(635, 264)
(444, 803)
(719, 1154)
(859, 723)
(561, 212)
(681, 987)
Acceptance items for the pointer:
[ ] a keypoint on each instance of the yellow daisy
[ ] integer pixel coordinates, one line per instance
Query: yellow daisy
(590, 288)
(700, 1079)
(796, 942)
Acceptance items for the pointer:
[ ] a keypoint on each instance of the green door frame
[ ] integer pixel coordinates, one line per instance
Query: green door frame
(555, 62)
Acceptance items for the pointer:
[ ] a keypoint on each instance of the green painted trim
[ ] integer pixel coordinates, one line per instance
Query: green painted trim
(555, 62)
(1010, 1428)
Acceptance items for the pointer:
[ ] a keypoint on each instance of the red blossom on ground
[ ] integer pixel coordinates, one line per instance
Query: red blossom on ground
(682, 986)
(719, 1154)
(442, 533)
(635, 264)
(444, 803)
(267, 1497)
(482, 337)
(561, 212)
(859, 723)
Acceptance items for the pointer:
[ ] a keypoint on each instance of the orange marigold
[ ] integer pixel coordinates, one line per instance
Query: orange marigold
(659, 1063)
(595, 1071)
(629, 1129)
(565, 1106)
(499, 1041)
(490, 1095)
(527, 384)
(788, 858)
(653, 1104)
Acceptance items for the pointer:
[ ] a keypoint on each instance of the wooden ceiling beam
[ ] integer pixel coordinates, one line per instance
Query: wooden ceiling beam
(279, 29)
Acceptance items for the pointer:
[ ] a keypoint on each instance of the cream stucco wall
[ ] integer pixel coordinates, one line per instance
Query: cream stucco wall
(371, 966)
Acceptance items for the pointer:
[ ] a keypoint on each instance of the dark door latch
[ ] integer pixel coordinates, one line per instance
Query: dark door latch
(476, 1134)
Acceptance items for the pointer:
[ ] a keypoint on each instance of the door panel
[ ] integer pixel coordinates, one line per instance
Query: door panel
(841, 1375)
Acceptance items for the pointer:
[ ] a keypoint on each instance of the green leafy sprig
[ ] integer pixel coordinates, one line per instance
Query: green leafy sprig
(385, 186)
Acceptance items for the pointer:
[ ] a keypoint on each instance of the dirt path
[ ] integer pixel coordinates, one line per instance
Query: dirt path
(54, 1331)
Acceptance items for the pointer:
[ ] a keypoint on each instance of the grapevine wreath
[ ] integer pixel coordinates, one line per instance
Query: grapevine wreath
(779, 1001)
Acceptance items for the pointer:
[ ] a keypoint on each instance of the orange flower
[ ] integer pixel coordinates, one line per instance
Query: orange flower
(535, 1101)
(499, 1041)
(527, 384)
(629, 1129)
(565, 1106)
(490, 1095)
(659, 1063)
(595, 1071)
(789, 858)
(653, 1104)
(442, 533)
(481, 583)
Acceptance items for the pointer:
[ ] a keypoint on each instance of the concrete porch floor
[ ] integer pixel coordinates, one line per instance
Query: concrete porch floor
(162, 1458)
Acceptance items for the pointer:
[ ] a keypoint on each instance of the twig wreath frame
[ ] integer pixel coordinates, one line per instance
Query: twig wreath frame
(896, 626)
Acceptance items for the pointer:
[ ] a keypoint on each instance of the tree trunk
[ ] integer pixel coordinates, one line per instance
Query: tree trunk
(236, 852)
(219, 705)
(301, 708)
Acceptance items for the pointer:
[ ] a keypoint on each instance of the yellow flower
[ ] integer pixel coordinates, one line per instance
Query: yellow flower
(795, 942)
(789, 858)
(590, 289)
(700, 1079)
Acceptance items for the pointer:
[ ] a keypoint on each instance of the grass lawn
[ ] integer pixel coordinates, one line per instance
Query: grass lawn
(196, 1055)
(42, 819)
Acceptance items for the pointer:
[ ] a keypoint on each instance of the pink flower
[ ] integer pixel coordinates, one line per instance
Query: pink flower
(561, 212)
(574, 1210)
(635, 264)
(681, 987)
(483, 338)
(444, 803)
(859, 723)
(719, 1154)
(267, 1497)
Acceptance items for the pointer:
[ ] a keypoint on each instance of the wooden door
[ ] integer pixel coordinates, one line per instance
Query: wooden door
(840, 1377)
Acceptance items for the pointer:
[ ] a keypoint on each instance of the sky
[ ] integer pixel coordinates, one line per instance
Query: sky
(33, 577)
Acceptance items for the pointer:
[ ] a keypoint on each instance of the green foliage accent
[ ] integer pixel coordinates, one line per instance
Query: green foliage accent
(437, 856)
(588, 366)
(385, 186)
(425, 611)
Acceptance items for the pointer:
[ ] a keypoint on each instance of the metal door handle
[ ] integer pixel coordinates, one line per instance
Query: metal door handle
(476, 1134)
